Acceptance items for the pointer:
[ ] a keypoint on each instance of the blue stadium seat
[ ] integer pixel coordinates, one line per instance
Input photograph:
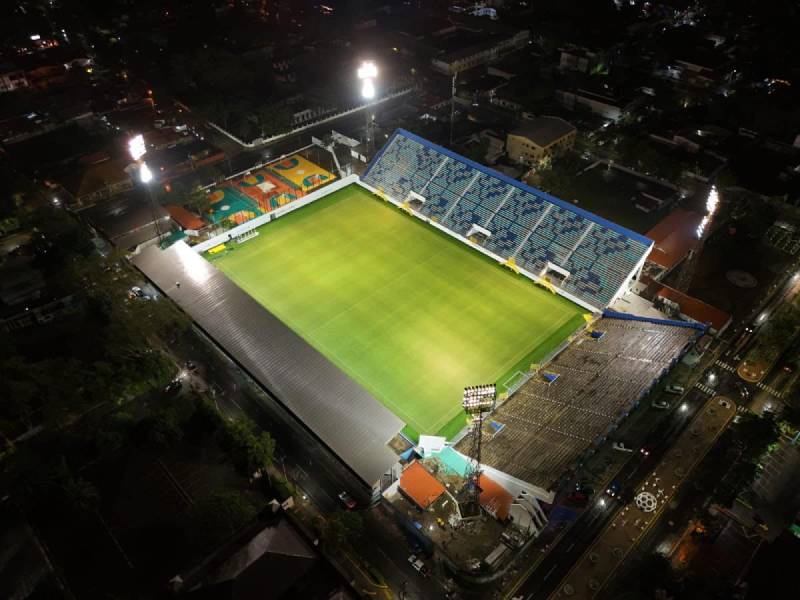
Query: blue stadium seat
(598, 256)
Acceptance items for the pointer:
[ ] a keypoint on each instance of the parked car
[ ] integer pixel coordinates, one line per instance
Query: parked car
(660, 404)
(418, 565)
(674, 388)
(347, 500)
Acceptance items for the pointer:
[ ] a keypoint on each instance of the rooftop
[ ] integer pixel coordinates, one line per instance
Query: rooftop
(695, 309)
(674, 236)
(544, 130)
(420, 486)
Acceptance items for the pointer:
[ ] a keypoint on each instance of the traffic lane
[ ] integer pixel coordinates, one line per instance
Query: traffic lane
(555, 566)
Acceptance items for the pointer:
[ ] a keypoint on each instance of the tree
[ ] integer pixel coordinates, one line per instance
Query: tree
(342, 527)
(219, 516)
(250, 451)
(274, 119)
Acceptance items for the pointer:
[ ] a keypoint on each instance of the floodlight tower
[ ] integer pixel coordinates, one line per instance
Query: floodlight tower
(477, 401)
(367, 73)
(689, 266)
(137, 149)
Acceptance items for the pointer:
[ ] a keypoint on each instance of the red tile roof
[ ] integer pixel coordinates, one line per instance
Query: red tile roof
(419, 486)
(184, 218)
(695, 309)
(674, 236)
(494, 497)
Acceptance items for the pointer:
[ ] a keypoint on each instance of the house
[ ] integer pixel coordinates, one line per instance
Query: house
(185, 219)
(12, 78)
(271, 564)
(540, 139)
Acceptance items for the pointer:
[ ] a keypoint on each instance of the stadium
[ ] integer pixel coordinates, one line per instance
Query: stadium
(367, 305)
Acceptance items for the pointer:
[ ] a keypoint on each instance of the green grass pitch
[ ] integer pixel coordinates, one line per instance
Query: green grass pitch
(410, 313)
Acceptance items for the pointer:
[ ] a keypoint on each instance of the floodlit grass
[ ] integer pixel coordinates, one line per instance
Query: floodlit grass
(410, 313)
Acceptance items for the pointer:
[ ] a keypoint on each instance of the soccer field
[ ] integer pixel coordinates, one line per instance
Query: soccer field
(411, 314)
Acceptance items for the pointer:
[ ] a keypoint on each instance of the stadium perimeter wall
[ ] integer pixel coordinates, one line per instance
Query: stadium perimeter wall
(481, 249)
(278, 212)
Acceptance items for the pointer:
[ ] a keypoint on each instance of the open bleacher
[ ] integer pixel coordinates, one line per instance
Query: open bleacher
(542, 234)
(549, 426)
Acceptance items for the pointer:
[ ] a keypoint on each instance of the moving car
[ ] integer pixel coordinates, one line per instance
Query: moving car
(614, 488)
(674, 388)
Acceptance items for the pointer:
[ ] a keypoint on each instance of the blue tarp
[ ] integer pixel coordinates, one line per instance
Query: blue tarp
(407, 454)
(597, 334)
(550, 377)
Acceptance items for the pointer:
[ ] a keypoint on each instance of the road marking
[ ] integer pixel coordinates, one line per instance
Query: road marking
(550, 572)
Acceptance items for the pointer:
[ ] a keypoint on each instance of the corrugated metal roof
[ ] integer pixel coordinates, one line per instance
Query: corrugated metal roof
(347, 418)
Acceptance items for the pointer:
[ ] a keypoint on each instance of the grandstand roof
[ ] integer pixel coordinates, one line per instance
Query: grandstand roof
(341, 413)
(419, 486)
(527, 224)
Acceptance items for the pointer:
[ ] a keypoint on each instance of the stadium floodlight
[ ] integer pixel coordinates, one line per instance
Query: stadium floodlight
(367, 70)
(145, 174)
(479, 398)
(136, 147)
(712, 202)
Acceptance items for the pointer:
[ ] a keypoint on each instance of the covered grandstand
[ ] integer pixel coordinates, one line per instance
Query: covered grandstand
(547, 426)
(587, 259)
(341, 413)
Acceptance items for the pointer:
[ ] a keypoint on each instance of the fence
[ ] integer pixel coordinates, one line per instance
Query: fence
(278, 212)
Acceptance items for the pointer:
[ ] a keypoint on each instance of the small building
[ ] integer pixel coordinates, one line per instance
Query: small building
(540, 139)
(692, 309)
(578, 58)
(184, 218)
(419, 486)
(480, 53)
(674, 237)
